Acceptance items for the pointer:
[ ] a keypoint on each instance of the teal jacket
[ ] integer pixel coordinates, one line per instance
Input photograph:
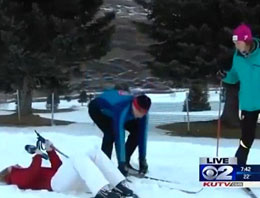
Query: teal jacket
(246, 70)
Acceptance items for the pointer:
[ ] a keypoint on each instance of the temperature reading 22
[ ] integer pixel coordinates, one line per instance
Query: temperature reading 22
(246, 176)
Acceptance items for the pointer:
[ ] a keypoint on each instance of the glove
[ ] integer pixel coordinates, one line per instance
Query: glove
(123, 168)
(48, 145)
(132, 170)
(221, 74)
(38, 152)
(143, 166)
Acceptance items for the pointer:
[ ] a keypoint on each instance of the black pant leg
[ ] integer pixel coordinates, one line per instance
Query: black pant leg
(104, 123)
(248, 126)
(107, 145)
(132, 140)
(242, 154)
(248, 122)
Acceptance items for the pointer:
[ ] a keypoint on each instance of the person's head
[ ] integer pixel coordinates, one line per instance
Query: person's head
(242, 38)
(122, 86)
(141, 105)
(4, 174)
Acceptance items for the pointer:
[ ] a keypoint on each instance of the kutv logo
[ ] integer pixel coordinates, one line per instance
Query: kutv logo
(217, 169)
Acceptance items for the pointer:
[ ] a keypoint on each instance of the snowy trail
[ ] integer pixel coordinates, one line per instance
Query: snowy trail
(176, 159)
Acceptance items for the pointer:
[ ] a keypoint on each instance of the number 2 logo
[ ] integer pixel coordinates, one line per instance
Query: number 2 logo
(221, 173)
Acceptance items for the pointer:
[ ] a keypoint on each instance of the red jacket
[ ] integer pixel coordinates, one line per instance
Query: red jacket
(35, 177)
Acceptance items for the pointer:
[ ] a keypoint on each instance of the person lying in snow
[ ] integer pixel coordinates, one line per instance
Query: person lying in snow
(88, 171)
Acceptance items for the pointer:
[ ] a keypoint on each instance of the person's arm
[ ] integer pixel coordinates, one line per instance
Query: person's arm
(35, 164)
(142, 138)
(54, 159)
(119, 132)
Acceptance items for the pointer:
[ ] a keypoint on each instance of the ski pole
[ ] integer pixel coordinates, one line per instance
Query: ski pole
(42, 139)
(60, 151)
(174, 188)
(219, 120)
(157, 179)
(134, 172)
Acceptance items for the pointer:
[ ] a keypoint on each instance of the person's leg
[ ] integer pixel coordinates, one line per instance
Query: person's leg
(248, 126)
(104, 123)
(107, 144)
(132, 140)
(109, 170)
(106, 166)
(66, 178)
(90, 173)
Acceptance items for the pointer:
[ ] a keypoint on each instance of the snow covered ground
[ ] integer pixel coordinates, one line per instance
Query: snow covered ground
(170, 158)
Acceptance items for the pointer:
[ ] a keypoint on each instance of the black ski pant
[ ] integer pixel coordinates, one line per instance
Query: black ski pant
(248, 127)
(105, 124)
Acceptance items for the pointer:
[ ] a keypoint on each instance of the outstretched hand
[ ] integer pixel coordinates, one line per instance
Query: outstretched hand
(48, 145)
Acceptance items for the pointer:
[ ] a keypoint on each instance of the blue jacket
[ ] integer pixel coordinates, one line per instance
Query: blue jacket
(118, 106)
(246, 70)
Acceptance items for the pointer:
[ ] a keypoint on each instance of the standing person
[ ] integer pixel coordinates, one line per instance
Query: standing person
(246, 70)
(91, 170)
(114, 112)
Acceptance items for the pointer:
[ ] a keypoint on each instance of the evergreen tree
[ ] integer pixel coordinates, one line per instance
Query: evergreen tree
(197, 98)
(43, 44)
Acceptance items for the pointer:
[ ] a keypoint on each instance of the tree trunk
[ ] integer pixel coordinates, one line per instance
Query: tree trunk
(26, 97)
(230, 115)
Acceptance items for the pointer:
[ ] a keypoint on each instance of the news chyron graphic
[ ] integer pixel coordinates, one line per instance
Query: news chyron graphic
(225, 172)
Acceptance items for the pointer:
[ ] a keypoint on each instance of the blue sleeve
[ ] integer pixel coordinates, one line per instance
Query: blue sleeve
(119, 131)
(143, 133)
